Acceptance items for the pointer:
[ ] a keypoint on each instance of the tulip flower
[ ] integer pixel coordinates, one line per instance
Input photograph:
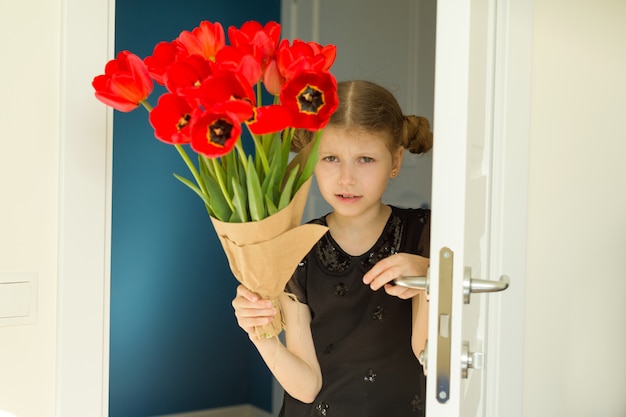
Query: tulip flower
(171, 119)
(163, 55)
(259, 41)
(125, 82)
(304, 56)
(217, 130)
(185, 76)
(205, 40)
(311, 98)
(268, 119)
(292, 59)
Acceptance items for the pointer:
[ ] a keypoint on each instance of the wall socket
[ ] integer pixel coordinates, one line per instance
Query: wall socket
(18, 298)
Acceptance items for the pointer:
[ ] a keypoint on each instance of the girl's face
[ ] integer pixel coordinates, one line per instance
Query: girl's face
(354, 168)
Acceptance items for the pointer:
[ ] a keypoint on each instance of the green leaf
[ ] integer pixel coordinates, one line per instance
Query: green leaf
(234, 218)
(271, 207)
(286, 147)
(240, 201)
(272, 147)
(285, 197)
(260, 157)
(215, 171)
(255, 196)
(206, 165)
(194, 188)
(230, 164)
(219, 205)
(311, 161)
(271, 183)
(183, 154)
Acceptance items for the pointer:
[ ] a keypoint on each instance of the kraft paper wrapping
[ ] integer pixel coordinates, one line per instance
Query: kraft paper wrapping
(263, 255)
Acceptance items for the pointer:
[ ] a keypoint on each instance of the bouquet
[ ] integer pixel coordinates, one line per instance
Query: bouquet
(213, 93)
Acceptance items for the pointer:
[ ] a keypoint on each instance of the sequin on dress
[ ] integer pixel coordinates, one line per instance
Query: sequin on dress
(362, 337)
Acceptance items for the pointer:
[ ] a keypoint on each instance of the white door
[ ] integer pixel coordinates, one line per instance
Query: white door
(470, 220)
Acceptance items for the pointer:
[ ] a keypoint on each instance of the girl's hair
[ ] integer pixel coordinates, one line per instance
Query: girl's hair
(364, 105)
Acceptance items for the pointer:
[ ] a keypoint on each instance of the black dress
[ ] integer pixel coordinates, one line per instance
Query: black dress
(362, 337)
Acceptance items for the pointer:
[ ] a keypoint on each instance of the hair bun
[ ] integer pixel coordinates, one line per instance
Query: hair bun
(418, 137)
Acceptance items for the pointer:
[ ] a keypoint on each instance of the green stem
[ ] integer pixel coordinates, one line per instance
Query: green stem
(242, 154)
(220, 181)
(146, 105)
(260, 152)
(259, 94)
(191, 166)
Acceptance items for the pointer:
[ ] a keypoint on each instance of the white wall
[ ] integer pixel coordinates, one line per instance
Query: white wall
(29, 172)
(575, 353)
(54, 215)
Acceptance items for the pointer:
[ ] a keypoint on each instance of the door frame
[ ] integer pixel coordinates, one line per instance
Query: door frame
(509, 206)
(85, 208)
(83, 278)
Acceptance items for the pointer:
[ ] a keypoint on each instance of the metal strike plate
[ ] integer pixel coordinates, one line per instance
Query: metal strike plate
(446, 262)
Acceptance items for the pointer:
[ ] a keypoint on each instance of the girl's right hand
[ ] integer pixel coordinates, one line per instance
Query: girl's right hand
(252, 311)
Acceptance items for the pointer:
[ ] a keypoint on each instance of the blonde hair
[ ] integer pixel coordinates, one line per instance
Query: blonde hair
(364, 105)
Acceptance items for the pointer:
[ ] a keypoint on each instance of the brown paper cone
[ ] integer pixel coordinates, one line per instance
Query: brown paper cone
(263, 255)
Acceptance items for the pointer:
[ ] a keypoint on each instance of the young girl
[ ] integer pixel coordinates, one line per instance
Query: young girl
(351, 335)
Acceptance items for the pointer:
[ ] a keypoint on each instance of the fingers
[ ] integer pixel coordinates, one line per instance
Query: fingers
(401, 292)
(247, 294)
(251, 310)
(385, 271)
(394, 266)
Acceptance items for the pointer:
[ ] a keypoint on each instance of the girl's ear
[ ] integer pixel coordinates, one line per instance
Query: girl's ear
(396, 163)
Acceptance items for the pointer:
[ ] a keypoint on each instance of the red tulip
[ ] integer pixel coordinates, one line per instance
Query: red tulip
(163, 55)
(233, 59)
(185, 76)
(272, 78)
(125, 82)
(171, 119)
(225, 86)
(216, 131)
(268, 119)
(295, 58)
(205, 40)
(256, 40)
(304, 56)
(311, 98)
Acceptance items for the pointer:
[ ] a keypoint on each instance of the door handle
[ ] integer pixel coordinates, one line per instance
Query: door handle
(474, 285)
(418, 283)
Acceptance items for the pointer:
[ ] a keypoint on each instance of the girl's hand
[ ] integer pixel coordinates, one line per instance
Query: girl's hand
(251, 310)
(399, 265)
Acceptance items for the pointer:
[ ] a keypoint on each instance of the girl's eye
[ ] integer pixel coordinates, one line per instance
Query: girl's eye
(366, 159)
(329, 158)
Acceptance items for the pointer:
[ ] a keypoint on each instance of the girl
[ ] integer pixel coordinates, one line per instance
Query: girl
(351, 336)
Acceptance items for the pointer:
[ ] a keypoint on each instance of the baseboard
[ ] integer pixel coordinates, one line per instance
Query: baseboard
(244, 410)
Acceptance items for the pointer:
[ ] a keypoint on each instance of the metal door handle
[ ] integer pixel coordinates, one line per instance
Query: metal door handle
(418, 283)
(473, 285)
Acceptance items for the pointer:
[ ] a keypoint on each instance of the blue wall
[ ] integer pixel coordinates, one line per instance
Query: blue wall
(175, 344)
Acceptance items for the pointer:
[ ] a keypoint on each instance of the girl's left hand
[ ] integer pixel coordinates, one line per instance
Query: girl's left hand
(399, 265)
